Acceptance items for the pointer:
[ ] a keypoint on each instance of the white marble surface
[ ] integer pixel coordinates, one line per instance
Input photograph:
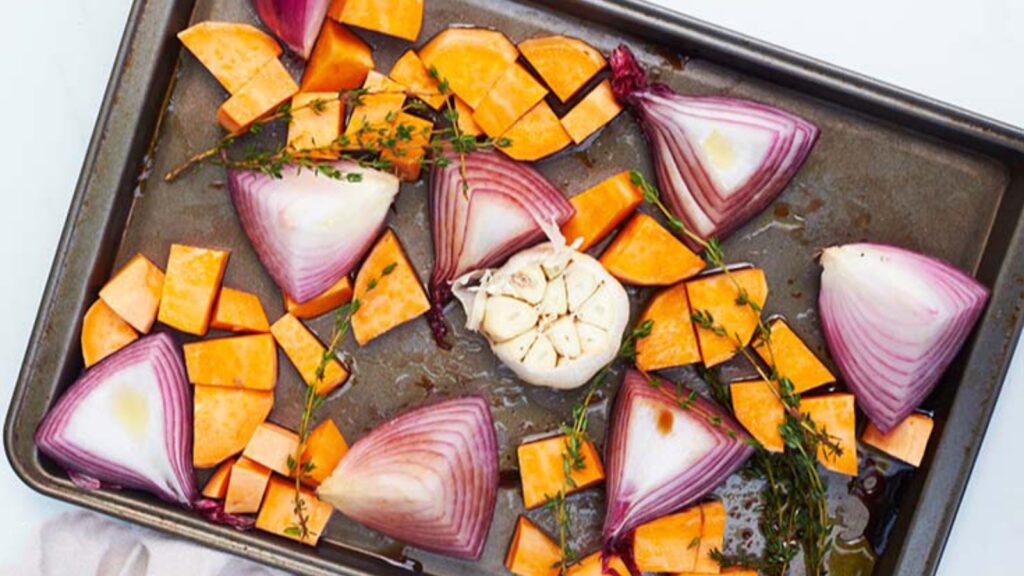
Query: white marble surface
(57, 55)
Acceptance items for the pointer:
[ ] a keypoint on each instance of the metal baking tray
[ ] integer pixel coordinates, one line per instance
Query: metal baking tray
(890, 166)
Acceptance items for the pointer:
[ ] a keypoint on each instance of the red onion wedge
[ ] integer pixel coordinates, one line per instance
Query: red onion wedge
(428, 478)
(310, 230)
(719, 161)
(663, 453)
(504, 209)
(295, 22)
(127, 422)
(894, 320)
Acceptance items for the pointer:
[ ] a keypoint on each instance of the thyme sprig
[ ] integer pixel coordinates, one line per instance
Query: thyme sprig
(576, 436)
(298, 465)
(794, 508)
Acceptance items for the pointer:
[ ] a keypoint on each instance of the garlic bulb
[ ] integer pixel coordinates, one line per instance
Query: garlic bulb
(553, 315)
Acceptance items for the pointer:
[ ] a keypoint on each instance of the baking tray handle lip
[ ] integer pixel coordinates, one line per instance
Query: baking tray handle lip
(808, 68)
(70, 223)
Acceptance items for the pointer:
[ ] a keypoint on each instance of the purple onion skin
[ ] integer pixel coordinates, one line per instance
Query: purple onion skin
(626, 511)
(296, 23)
(92, 472)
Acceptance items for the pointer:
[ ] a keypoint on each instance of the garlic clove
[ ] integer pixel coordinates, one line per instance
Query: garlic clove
(516, 348)
(542, 355)
(580, 284)
(592, 338)
(555, 302)
(564, 338)
(597, 310)
(529, 284)
(506, 317)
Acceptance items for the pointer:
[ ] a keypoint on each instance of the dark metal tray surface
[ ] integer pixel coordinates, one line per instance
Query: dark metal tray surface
(890, 166)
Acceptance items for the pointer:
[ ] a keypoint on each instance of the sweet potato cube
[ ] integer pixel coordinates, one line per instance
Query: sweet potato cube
(565, 64)
(793, 359)
(410, 72)
(217, 486)
(591, 566)
(760, 411)
(715, 296)
(532, 552)
(597, 108)
(232, 52)
(470, 60)
(340, 61)
(906, 442)
(305, 351)
(239, 311)
(332, 298)
(670, 543)
(411, 135)
(224, 420)
(267, 90)
(644, 253)
(538, 134)
(246, 485)
(272, 446)
(372, 120)
(712, 536)
(134, 292)
(398, 18)
(325, 447)
(542, 469)
(103, 333)
(514, 94)
(466, 123)
(278, 512)
(316, 124)
(190, 287)
(601, 208)
(388, 290)
(672, 341)
(239, 361)
(834, 414)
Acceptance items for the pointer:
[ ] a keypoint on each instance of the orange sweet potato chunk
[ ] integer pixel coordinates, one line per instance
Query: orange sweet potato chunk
(565, 64)
(716, 295)
(514, 94)
(239, 361)
(328, 300)
(103, 333)
(412, 136)
(224, 420)
(465, 116)
(712, 536)
(794, 360)
(601, 208)
(316, 124)
(134, 292)
(591, 566)
(267, 90)
(538, 134)
(232, 52)
(340, 61)
(304, 351)
(471, 60)
(670, 543)
(217, 486)
(246, 485)
(278, 512)
(760, 411)
(388, 290)
(410, 72)
(398, 18)
(325, 447)
(672, 341)
(646, 254)
(271, 446)
(532, 552)
(597, 108)
(835, 415)
(373, 118)
(239, 311)
(190, 287)
(542, 471)
(906, 442)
